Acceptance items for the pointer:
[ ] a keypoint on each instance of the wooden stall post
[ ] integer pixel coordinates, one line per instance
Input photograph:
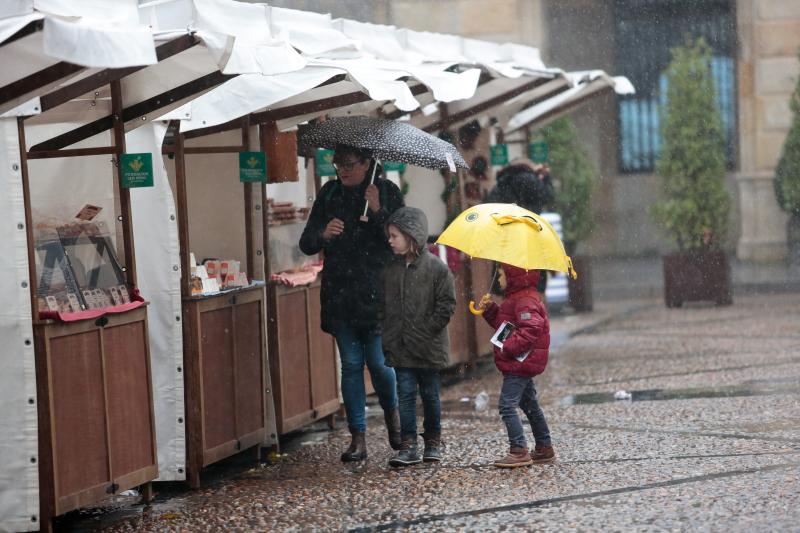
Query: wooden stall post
(248, 206)
(124, 194)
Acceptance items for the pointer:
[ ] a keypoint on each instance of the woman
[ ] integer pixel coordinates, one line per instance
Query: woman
(355, 254)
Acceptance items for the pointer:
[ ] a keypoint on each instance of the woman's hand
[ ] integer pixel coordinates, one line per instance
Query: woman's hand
(373, 198)
(335, 227)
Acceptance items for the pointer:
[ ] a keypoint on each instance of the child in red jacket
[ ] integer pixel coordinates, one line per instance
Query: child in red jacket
(523, 355)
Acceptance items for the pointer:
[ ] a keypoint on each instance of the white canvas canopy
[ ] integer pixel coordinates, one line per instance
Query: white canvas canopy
(206, 63)
(586, 84)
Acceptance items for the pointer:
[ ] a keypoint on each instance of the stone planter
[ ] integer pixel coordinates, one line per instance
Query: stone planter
(580, 290)
(697, 276)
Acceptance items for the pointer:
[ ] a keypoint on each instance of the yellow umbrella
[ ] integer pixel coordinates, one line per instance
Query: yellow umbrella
(509, 234)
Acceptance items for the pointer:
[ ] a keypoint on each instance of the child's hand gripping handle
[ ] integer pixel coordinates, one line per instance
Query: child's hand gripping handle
(481, 307)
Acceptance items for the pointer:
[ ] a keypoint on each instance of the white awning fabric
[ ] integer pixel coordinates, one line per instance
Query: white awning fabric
(585, 85)
(19, 474)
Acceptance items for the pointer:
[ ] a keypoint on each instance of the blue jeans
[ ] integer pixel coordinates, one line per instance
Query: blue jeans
(428, 381)
(356, 347)
(518, 391)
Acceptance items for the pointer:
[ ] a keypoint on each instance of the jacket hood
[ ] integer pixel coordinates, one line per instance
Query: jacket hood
(519, 278)
(413, 222)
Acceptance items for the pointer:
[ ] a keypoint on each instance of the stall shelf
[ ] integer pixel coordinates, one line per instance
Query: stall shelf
(94, 387)
(460, 327)
(303, 358)
(481, 279)
(226, 371)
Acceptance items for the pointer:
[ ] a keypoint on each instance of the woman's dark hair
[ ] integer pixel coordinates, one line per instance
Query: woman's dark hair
(345, 149)
(519, 184)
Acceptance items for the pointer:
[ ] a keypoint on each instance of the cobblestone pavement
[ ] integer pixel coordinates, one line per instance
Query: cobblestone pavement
(709, 440)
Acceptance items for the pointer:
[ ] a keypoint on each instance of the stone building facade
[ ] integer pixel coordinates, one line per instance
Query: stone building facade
(580, 34)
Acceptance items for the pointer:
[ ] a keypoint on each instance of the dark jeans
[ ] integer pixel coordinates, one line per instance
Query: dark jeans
(356, 347)
(519, 392)
(428, 381)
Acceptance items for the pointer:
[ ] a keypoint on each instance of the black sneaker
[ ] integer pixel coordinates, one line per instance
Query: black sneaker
(407, 457)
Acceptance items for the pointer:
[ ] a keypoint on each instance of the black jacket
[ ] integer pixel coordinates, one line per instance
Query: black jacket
(420, 300)
(352, 276)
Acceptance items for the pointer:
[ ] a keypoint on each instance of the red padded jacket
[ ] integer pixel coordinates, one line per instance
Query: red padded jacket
(523, 308)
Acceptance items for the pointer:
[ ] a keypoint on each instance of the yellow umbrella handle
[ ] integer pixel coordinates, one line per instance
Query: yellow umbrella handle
(474, 310)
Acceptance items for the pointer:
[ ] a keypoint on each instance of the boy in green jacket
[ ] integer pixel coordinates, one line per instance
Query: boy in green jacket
(419, 302)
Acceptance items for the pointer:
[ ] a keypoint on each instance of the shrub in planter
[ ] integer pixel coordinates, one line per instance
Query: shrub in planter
(787, 177)
(574, 179)
(694, 210)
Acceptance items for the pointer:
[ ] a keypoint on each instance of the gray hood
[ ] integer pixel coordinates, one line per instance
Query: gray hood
(412, 221)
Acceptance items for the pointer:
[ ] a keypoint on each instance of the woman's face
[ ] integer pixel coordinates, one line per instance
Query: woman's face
(351, 170)
(398, 241)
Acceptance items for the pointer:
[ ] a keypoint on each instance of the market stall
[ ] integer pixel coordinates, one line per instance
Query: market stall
(226, 375)
(95, 400)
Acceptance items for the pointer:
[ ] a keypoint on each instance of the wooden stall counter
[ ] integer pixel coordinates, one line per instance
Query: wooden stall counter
(224, 360)
(302, 357)
(96, 425)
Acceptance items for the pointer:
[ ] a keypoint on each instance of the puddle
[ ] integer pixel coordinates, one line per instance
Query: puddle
(649, 395)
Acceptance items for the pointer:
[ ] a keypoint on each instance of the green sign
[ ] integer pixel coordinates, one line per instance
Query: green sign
(394, 165)
(252, 167)
(324, 163)
(136, 170)
(537, 152)
(499, 153)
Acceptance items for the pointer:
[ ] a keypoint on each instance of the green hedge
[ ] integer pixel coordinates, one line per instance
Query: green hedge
(694, 209)
(574, 180)
(787, 175)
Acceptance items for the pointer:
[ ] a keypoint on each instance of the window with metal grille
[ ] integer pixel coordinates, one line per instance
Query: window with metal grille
(646, 30)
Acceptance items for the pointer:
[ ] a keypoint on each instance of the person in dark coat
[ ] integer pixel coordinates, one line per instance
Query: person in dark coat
(524, 183)
(355, 255)
(523, 354)
(528, 185)
(420, 300)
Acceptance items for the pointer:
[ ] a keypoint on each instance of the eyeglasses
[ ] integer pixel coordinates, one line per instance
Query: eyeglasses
(346, 165)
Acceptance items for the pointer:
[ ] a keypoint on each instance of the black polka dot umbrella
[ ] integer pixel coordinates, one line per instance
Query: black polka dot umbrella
(388, 140)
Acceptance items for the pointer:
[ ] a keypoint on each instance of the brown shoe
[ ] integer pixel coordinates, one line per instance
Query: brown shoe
(357, 451)
(392, 419)
(517, 456)
(543, 454)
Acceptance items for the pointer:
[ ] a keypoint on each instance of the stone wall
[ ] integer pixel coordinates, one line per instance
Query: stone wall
(769, 37)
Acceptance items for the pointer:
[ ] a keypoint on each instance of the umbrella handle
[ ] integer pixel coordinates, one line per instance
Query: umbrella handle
(364, 217)
(474, 310)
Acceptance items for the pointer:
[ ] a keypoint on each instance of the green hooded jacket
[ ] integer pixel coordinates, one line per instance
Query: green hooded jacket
(419, 301)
